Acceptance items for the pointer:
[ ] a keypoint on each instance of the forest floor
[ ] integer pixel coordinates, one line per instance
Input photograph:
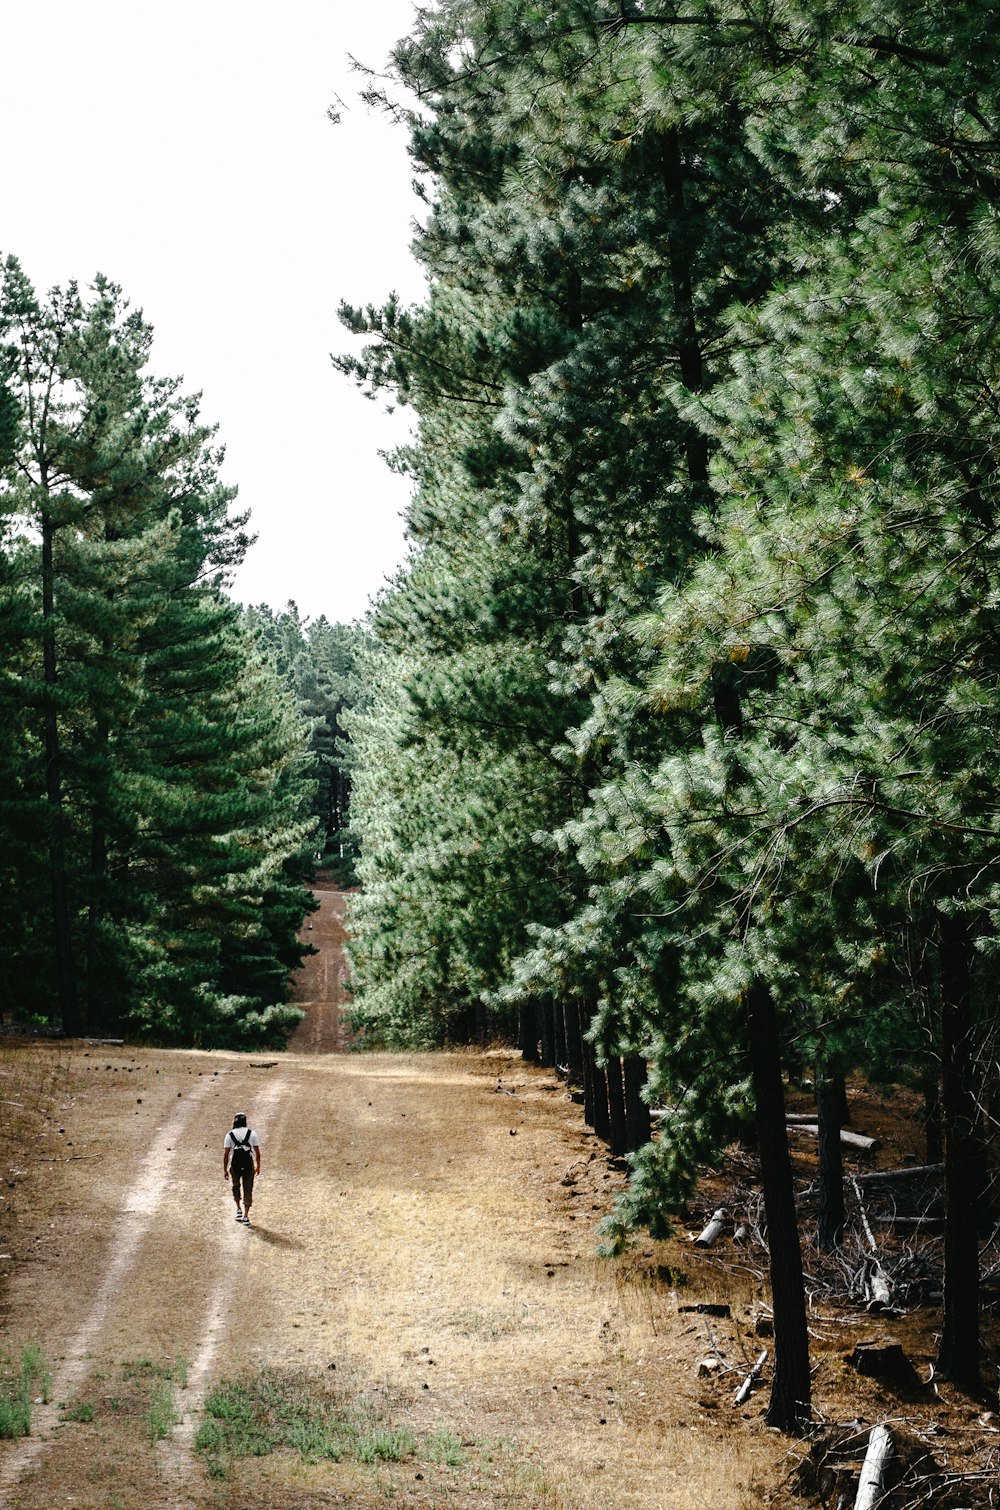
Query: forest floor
(417, 1316)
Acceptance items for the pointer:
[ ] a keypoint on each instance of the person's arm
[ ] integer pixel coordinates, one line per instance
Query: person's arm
(256, 1158)
(225, 1160)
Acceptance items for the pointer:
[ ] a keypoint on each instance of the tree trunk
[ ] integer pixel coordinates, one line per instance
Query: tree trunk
(830, 1228)
(559, 1032)
(547, 1022)
(616, 1106)
(599, 1080)
(527, 1032)
(638, 1129)
(789, 1405)
(574, 1045)
(585, 1010)
(933, 1130)
(958, 1353)
(61, 931)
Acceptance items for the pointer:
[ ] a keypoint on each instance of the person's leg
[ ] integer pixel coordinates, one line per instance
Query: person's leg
(247, 1192)
(236, 1192)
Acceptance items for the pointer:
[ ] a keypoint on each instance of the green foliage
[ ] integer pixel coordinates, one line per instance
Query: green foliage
(21, 1382)
(689, 684)
(261, 1413)
(154, 824)
(319, 662)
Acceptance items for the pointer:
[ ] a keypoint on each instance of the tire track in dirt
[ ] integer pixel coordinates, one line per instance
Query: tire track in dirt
(218, 1309)
(138, 1210)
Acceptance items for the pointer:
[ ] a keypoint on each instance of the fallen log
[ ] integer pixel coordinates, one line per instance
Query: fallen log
(743, 1393)
(851, 1139)
(907, 1172)
(926, 1224)
(713, 1230)
(875, 1285)
(870, 1485)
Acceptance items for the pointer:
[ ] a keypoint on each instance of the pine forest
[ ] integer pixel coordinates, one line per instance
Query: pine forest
(677, 753)
(669, 755)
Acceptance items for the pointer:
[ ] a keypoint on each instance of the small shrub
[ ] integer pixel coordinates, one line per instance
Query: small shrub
(81, 1411)
(386, 1445)
(19, 1386)
(260, 1413)
(161, 1415)
(444, 1447)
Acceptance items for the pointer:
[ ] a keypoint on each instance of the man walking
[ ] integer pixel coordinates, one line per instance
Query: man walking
(241, 1160)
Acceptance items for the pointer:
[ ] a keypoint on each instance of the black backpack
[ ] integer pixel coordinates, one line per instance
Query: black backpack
(241, 1161)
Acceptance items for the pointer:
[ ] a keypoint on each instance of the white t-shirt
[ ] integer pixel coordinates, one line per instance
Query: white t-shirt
(231, 1142)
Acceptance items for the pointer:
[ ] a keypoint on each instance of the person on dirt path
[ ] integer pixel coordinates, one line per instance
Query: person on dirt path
(241, 1160)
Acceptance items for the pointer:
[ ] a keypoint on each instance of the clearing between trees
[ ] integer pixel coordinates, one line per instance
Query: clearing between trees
(417, 1315)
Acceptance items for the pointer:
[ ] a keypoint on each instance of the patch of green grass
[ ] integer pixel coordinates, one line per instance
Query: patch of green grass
(386, 1445)
(138, 1369)
(81, 1411)
(444, 1447)
(261, 1413)
(161, 1413)
(20, 1384)
(144, 1390)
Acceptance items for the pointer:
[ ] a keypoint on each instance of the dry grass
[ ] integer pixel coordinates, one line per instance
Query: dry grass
(424, 1244)
(413, 1230)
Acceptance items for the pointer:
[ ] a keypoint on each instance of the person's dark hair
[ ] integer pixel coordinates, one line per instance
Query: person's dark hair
(240, 1120)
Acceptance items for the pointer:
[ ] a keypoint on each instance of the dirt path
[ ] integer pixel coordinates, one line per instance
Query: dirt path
(319, 989)
(422, 1237)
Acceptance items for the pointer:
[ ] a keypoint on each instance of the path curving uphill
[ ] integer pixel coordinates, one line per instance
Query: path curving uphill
(320, 985)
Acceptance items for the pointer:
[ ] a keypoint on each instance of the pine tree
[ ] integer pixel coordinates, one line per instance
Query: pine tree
(121, 581)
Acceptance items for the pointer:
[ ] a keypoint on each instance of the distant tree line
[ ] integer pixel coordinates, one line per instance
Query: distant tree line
(156, 787)
(682, 721)
(320, 662)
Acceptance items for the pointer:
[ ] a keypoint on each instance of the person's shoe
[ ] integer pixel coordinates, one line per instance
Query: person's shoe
(239, 1214)
(246, 1221)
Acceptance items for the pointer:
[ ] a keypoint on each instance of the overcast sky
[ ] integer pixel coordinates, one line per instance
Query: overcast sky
(184, 151)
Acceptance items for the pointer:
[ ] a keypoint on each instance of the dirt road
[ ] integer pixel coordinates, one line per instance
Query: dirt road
(421, 1236)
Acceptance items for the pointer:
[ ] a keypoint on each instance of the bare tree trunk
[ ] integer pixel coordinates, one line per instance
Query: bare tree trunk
(547, 1023)
(638, 1128)
(933, 1130)
(616, 1106)
(602, 1114)
(559, 1033)
(527, 1032)
(574, 1046)
(789, 1405)
(958, 1353)
(830, 1229)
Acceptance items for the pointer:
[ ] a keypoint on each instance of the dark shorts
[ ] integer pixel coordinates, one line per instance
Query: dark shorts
(242, 1178)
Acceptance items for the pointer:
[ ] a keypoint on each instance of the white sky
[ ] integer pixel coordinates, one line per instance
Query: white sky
(184, 151)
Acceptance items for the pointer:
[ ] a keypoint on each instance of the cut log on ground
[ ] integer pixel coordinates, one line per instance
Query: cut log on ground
(907, 1172)
(743, 1393)
(877, 1458)
(713, 1231)
(850, 1139)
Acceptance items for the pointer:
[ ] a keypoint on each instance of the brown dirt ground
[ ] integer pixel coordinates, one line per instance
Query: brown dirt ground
(425, 1237)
